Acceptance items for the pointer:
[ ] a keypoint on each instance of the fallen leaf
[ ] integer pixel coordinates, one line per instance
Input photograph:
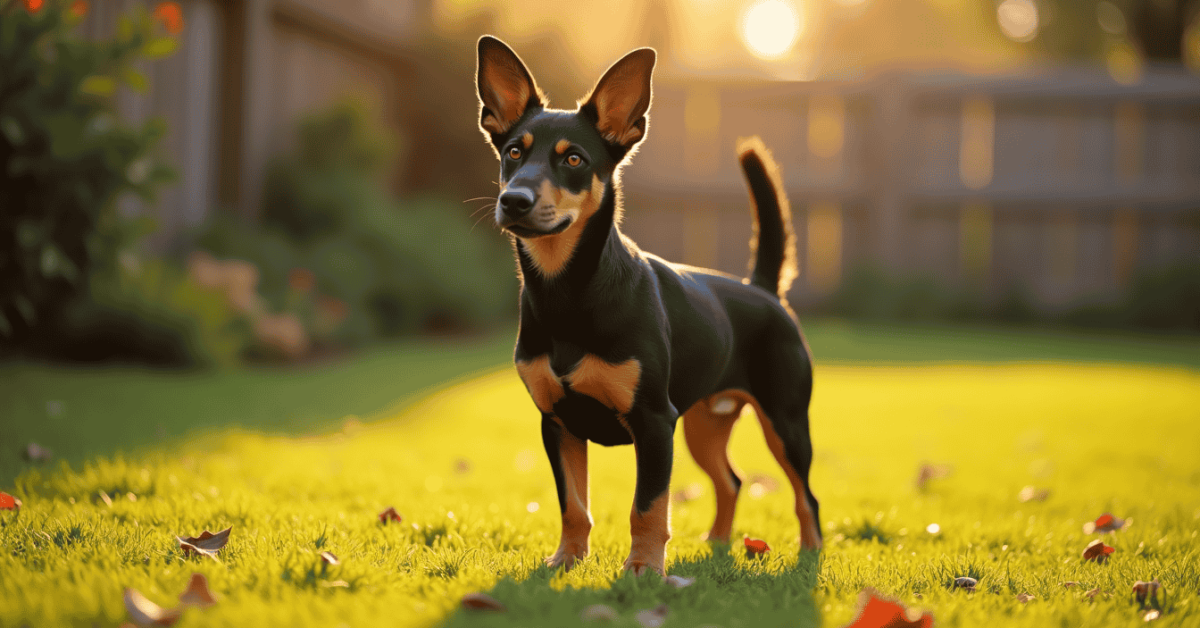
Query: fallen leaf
(688, 493)
(680, 582)
(143, 612)
(1031, 494)
(1093, 593)
(965, 582)
(880, 612)
(1146, 592)
(481, 602)
(336, 584)
(105, 498)
(1068, 584)
(927, 472)
(755, 547)
(462, 465)
(1103, 524)
(597, 612)
(34, 452)
(197, 592)
(1025, 598)
(329, 558)
(1097, 551)
(653, 617)
(390, 515)
(8, 502)
(207, 544)
(1152, 615)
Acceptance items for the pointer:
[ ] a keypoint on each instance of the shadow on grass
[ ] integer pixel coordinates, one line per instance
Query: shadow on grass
(728, 592)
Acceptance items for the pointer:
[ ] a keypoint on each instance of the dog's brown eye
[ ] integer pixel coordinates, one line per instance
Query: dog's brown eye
(574, 160)
(514, 152)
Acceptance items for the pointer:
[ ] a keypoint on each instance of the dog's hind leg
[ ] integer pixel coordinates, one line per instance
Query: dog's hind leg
(706, 427)
(568, 461)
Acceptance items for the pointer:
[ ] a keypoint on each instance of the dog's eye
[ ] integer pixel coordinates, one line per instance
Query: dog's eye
(514, 152)
(574, 160)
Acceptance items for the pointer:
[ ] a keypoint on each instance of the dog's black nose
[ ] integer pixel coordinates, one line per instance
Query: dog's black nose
(516, 202)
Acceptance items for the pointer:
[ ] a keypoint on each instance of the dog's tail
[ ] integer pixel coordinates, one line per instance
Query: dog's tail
(773, 244)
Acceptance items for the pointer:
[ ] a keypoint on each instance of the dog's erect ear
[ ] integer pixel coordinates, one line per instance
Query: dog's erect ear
(506, 88)
(622, 96)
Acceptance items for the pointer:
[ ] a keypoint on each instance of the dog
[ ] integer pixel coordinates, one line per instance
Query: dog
(614, 344)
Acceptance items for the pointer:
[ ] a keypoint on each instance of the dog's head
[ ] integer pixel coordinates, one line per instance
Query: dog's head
(556, 164)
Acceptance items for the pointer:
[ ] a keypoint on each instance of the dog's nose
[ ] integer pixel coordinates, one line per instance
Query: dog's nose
(516, 202)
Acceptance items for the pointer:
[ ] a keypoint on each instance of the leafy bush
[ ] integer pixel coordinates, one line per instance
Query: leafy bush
(65, 159)
(399, 267)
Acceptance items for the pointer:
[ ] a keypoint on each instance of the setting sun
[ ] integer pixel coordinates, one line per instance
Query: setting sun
(770, 28)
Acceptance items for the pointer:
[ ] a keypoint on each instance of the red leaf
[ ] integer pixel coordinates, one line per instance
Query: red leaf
(481, 602)
(1097, 551)
(207, 544)
(8, 502)
(880, 612)
(1104, 523)
(197, 592)
(390, 515)
(170, 15)
(33, 6)
(755, 547)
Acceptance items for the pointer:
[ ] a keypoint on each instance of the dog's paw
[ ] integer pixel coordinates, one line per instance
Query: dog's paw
(639, 566)
(564, 559)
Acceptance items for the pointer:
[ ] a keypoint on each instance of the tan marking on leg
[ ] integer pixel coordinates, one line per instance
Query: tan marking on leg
(527, 140)
(650, 531)
(562, 146)
(707, 435)
(809, 535)
(613, 385)
(543, 385)
(576, 520)
(550, 254)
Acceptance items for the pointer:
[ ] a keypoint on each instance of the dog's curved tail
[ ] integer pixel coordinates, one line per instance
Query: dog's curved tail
(773, 244)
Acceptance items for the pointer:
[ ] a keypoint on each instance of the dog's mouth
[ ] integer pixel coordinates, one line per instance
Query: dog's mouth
(525, 231)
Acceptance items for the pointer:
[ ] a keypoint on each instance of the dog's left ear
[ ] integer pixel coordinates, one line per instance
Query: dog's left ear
(620, 100)
(506, 89)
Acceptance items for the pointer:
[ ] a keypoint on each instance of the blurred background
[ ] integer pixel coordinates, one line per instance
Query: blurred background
(219, 181)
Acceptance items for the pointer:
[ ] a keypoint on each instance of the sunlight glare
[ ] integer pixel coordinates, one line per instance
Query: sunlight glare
(1018, 19)
(770, 28)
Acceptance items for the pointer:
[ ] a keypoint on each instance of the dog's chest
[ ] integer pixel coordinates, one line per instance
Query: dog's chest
(591, 398)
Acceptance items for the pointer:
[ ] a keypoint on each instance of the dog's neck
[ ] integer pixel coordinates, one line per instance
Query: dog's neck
(600, 257)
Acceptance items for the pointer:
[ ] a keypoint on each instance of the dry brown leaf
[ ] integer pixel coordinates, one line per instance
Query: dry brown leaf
(1152, 615)
(1031, 494)
(653, 617)
(390, 515)
(8, 502)
(143, 612)
(1105, 523)
(1025, 598)
(965, 582)
(1147, 592)
(34, 452)
(875, 611)
(927, 472)
(1097, 551)
(207, 544)
(1068, 584)
(481, 602)
(197, 592)
(1093, 593)
(598, 612)
(329, 558)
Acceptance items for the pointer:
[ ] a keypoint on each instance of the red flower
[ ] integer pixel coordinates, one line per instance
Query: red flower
(33, 6)
(170, 15)
(755, 547)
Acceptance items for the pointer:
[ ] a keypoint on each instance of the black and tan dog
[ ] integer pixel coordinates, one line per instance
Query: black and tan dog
(614, 343)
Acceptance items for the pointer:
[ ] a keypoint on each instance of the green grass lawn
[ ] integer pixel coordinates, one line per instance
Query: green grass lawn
(1103, 423)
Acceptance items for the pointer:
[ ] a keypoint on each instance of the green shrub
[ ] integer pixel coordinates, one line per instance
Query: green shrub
(65, 159)
(400, 267)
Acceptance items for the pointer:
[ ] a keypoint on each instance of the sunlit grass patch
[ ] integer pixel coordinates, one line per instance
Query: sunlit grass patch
(464, 467)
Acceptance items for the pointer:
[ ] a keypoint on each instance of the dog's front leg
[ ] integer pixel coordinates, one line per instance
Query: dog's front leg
(568, 460)
(649, 523)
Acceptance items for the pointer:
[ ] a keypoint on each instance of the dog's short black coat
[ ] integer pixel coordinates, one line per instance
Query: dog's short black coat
(615, 344)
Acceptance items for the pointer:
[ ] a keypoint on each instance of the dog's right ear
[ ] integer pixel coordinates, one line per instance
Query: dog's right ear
(506, 89)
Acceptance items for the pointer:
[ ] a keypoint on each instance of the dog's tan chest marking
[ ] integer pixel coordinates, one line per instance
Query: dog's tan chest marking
(544, 386)
(613, 385)
(550, 254)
